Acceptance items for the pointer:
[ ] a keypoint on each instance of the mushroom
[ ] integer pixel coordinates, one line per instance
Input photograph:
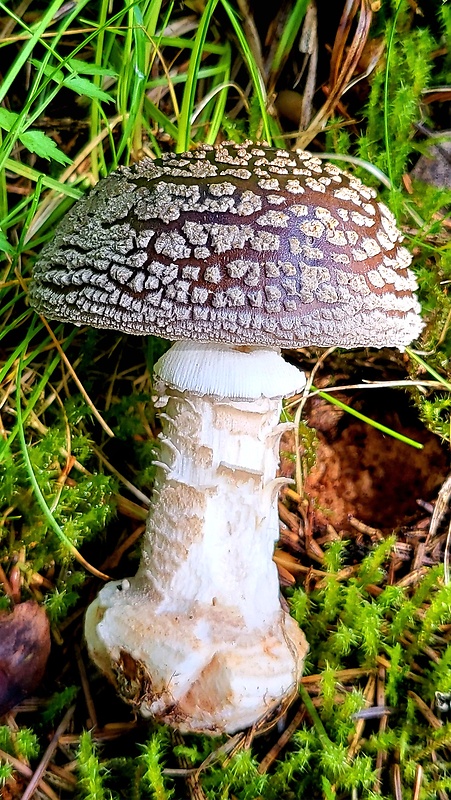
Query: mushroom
(234, 252)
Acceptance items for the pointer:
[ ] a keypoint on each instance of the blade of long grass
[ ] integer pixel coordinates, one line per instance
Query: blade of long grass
(94, 120)
(289, 33)
(181, 43)
(3, 189)
(446, 384)
(387, 137)
(33, 175)
(40, 386)
(77, 380)
(383, 428)
(136, 71)
(24, 55)
(16, 323)
(22, 347)
(160, 118)
(314, 716)
(217, 98)
(256, 77)
(37, 489)
(42, 79)
(189, 94)
(15, 216)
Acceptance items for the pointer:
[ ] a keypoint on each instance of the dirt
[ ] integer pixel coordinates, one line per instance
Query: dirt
(363, 472)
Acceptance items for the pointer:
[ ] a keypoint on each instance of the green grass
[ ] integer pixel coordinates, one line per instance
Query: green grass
(139, 78)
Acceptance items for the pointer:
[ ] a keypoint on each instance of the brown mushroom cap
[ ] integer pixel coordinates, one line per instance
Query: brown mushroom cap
(242, 244)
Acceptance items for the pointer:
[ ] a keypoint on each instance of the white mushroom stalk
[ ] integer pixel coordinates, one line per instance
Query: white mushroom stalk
(198, 637)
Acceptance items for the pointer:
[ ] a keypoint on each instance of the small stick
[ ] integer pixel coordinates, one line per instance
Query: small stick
(397, 785)
(419, 555)
(368, 694)
(292, 565)
(417, 782)
(192, 780)
(341, 675)
(78, 382)
(382, 754)
(42, 766)
(413, 577)
(285, 577)
(290, 519)
(342, 575)
(27, 772)
(292, 495)
(7, 588)
(92, 721)
(64, 774)
(232, 746)
(285, 737)
(113, 560)
(128, 484)
(429, 651)
(374, 533)
(424, 709)
(110, 732)
(440, 793)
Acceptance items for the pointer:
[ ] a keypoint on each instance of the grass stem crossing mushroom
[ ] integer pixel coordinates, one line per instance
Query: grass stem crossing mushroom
(234, 252)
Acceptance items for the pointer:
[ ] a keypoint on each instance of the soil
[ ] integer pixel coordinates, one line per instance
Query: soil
(363, 472)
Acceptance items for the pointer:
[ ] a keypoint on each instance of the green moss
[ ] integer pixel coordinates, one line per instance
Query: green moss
(6, 771)
(91, 773)
(58, 703)
(151, 759)
(397, 86)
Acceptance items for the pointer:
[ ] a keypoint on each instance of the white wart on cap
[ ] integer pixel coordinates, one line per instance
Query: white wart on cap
(241, 244)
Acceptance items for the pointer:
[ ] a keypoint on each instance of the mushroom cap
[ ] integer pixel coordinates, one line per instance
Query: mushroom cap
(238, 243)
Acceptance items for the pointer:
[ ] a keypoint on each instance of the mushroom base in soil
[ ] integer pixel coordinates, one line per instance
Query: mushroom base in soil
(198, 638)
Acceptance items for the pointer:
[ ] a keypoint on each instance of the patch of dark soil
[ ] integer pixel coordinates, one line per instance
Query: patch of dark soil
(363, 472)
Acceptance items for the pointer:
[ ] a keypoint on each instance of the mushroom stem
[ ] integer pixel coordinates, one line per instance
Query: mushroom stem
(198, 637)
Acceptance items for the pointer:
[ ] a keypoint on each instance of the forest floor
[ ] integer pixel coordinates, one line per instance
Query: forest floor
(363, 555)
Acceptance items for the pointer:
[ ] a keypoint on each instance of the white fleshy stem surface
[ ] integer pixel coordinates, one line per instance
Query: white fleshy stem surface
(198, 637)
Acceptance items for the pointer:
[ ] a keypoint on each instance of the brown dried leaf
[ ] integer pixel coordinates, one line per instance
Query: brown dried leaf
(24, 649)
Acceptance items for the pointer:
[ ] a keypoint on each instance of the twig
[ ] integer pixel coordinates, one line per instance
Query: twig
(77, 380)
(192, 780)
(111, 731)
(440, 508)
(113, 560)
(374, 533)
(381, 753)
(130, 486)
(424, 709)
(341, 676)
(282, 741)
(42, 766)
(368, 694)
(7, 588)
(92, 721)
(27, 772)
(397, 785)
(417, 782)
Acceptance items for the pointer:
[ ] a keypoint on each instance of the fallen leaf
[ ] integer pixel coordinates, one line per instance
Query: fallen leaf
(24, 650)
